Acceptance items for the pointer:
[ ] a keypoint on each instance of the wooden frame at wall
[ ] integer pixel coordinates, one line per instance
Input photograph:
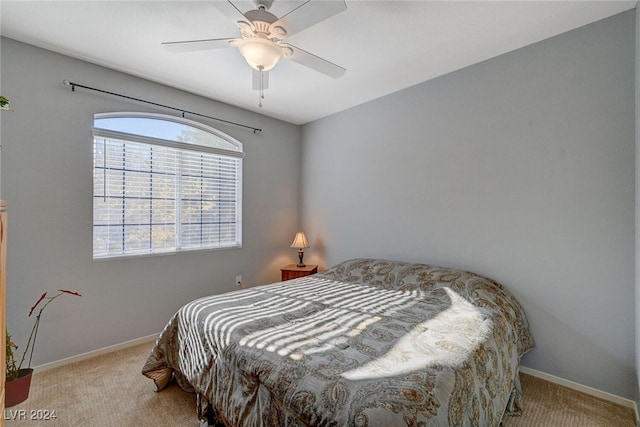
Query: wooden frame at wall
(3, 302)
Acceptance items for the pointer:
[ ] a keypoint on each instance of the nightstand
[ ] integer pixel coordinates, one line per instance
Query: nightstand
(291, 271)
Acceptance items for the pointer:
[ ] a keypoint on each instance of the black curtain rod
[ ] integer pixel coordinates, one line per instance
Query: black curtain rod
(74, 85)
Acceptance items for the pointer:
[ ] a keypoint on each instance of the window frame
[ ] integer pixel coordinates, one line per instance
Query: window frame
(177, 145)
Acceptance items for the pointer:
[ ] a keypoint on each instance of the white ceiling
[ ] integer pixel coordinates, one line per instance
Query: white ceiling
(384, 45)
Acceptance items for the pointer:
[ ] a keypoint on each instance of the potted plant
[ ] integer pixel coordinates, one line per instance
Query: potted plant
(4, 103)
(18, 379)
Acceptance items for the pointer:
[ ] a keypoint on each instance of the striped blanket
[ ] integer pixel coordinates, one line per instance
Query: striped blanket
(365, 343)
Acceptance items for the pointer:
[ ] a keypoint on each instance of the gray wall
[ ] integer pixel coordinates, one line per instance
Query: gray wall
(520, 168)
(47, 181)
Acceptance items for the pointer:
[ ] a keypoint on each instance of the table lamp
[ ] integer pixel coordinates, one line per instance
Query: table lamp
(300, 242)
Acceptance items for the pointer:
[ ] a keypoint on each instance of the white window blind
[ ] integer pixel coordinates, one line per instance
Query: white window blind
(153, 195)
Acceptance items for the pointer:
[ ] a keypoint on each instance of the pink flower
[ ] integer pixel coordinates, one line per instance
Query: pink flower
(70, 292)
(36, 304)
(12, 365)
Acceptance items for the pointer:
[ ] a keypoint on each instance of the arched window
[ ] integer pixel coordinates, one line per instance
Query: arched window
(163, 184)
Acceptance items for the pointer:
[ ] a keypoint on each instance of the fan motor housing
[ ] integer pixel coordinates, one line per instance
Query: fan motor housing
(260, 15)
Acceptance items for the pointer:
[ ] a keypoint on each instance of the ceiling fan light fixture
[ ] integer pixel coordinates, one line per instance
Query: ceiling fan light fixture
(261, 54)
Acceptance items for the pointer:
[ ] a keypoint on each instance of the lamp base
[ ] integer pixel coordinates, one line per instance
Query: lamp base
(300, 255)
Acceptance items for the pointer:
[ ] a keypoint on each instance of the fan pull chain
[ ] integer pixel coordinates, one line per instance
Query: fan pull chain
(261, 95)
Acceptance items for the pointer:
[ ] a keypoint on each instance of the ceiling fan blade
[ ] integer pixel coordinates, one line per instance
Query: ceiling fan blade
(230, 10)
(309, 13)
(314, 62)
(195, 45)
(257, 76)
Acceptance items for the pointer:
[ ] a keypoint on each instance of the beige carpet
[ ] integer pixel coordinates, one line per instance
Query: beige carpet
(110, 391)
(107, 391)
(548, 404)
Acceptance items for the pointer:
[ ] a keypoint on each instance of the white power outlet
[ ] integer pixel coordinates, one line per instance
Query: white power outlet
(239, 281)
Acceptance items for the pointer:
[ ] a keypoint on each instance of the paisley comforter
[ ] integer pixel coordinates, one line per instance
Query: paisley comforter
(365, 343)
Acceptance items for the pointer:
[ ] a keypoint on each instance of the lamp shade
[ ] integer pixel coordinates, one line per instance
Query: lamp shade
(261, 54)
(300, 241)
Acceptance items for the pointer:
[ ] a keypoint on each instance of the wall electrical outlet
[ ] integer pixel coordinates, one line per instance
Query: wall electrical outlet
(239, 281)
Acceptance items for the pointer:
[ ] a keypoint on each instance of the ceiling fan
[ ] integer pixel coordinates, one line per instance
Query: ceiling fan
(263, 33)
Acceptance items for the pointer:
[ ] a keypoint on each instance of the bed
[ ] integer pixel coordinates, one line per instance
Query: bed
(365, 343)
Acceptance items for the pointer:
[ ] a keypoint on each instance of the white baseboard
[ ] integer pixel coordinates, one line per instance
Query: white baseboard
(94, 353)
(583, 388)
